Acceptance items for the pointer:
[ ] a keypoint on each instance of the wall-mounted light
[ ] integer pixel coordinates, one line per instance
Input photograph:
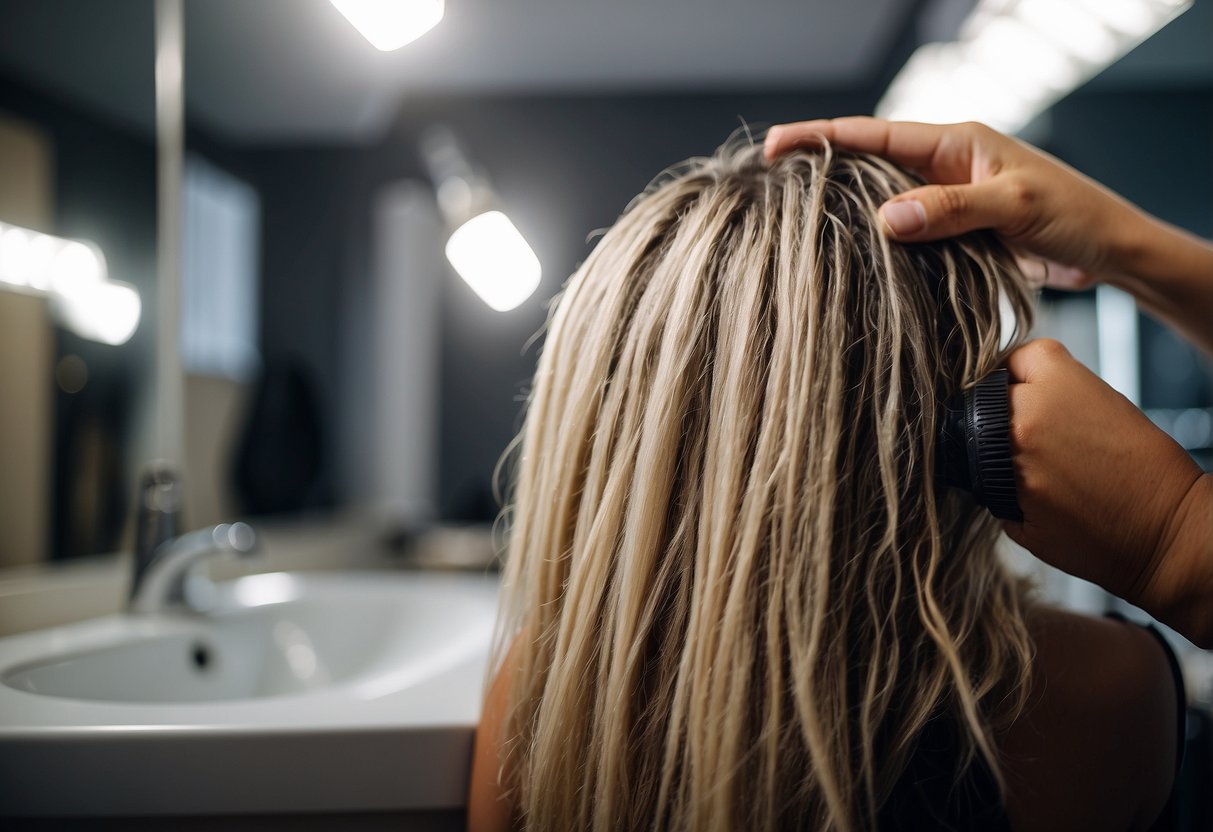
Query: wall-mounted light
(491, 255)
(484, 247)
(1015, 58)
(72, 275)
(107, 312)
(390, 24)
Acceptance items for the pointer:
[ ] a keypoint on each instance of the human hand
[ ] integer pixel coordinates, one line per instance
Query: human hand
(1105, 494)
(1067, 230)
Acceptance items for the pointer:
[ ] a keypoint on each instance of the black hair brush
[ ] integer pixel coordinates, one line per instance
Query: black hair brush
(974, 447)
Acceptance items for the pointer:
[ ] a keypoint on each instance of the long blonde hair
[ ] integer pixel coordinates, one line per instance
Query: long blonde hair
(734, 594)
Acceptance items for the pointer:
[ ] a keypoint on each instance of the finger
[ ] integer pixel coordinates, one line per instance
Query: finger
(935, 212)
(1069, 278)
(1042, 272)
(783, 138)
(1035, 269)
(1032, 360)
(908, 143)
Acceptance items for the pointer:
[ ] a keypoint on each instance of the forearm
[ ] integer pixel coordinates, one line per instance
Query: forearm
(1170, 273)
(1178, 590)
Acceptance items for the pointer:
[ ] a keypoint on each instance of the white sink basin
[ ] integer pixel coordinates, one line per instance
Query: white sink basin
(302, 692)
(297, 635)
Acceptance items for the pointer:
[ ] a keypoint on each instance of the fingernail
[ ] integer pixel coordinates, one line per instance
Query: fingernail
(769, 141)
(904, 218)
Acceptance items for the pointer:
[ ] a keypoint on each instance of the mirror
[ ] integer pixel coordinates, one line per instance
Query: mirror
(336, 365)
(76, 402)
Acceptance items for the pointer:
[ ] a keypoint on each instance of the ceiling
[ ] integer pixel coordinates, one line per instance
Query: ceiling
(274, 70)
(268, 71)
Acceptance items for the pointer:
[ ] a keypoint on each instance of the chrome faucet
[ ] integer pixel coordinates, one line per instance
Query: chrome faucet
(166, 572)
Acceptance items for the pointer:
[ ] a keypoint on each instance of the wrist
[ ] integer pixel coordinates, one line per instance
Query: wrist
(1139, 244)
(1179, 587)
(1146, 254)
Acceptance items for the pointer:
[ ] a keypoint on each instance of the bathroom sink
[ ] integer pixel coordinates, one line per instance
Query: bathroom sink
(298, 692)
(298, 635)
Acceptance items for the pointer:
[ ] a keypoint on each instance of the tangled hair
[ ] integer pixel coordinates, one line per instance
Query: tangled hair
(735, 595)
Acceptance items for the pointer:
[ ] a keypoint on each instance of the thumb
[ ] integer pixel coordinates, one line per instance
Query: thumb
(934, 212)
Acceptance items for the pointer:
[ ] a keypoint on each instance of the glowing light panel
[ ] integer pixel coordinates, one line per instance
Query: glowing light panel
(1014, 59)
(493, 258)
(390, 24)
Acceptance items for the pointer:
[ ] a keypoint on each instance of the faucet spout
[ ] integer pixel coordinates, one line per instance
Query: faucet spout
(166, 581)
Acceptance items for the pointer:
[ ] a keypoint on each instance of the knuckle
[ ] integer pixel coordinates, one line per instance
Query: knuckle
(1020, 192)
(952, 202)
(1022, 434)
(1050, 348)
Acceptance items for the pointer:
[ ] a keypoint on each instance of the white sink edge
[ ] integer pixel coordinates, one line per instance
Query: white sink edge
(328, 750)
(291, 711)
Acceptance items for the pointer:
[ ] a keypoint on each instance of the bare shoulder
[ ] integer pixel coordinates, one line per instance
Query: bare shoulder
(489, 807)
(1096, 747)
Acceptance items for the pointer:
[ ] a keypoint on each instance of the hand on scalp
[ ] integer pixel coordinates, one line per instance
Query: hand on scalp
(1066, 229)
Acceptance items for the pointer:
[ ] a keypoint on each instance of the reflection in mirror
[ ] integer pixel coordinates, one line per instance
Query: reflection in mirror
(219, 302)
(75, 353)
(78, 310)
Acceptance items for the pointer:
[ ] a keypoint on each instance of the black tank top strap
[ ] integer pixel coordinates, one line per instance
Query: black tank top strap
(1177, 677)
(1169, 817)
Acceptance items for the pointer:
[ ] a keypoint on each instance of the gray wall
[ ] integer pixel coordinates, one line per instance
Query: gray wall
(1155, 147)
(563, 167)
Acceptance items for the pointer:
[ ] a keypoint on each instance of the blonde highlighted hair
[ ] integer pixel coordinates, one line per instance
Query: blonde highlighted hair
(734, 594)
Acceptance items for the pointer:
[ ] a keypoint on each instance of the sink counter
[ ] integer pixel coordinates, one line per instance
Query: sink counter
(45, 595)
(306, 692)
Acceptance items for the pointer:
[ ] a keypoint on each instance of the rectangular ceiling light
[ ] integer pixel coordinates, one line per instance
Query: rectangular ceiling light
(390, 24)
(1015, 58)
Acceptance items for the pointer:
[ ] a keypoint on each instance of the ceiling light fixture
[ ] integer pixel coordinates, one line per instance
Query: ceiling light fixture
(485, 247)
(72, 275)
(1014, 59)
(390, 24)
